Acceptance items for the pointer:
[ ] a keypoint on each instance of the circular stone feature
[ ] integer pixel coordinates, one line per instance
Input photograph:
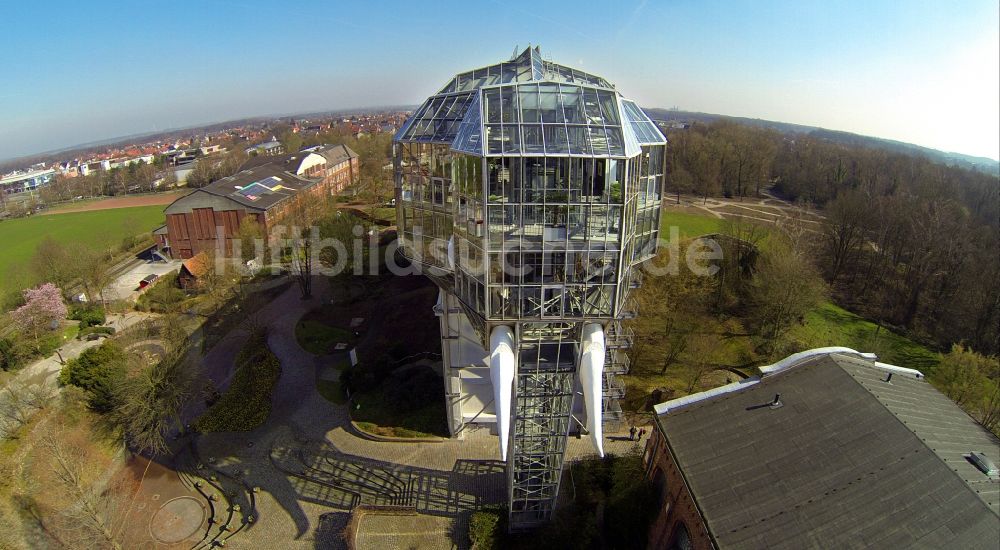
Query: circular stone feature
(177, 520)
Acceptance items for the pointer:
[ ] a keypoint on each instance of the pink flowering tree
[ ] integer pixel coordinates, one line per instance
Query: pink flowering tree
(42, 311)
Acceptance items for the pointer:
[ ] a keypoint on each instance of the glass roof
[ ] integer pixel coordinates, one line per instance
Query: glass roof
(645, 131)
(532, 107)
(469, 139)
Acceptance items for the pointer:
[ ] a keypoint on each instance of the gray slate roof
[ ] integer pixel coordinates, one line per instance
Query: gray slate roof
(336, 154)
(847, 461)
(289, 185)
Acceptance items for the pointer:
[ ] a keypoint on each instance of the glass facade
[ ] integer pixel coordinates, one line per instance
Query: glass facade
(532, 189)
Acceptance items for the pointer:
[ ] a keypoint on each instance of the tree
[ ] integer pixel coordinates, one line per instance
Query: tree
(151, 401)
(100, 371)
(292, 141)
(972, 381)
(93, 517)
(784, 287)
(301, 216)
(201, 174)
(702, 358)
(54, 262)
(252, 240)
(42, 311)
(92, 266)
(846, 219)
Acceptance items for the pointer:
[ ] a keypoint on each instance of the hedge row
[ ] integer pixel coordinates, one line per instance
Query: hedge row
(247, 402)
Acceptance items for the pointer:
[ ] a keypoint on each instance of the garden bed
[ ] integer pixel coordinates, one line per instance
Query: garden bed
(246, 404)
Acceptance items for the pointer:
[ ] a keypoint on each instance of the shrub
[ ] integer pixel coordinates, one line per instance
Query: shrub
(95, 330)
(99, 370)
(88, 315)
(164, 296)
(365, 378)
(484, 529)
(11, 354)
(246, 404)
(412, 388)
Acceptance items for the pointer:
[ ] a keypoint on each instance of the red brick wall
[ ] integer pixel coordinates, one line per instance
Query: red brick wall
(339, 176)
(676, 505)
(193, 232)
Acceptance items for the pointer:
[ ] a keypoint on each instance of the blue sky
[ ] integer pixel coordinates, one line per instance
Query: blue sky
(922, 72)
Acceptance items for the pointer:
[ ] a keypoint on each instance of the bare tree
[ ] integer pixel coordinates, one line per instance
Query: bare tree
(93, 515)
(301, 216)
(784, 288)
(54, 262)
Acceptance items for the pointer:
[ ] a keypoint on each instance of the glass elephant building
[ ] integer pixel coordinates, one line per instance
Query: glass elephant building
(529, 192)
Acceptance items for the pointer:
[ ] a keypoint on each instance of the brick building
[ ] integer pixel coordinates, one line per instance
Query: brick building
(262, 189)
(826, 449)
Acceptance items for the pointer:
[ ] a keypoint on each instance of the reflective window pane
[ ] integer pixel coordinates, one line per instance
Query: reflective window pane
(528, 98)
(609, 107)
(578, 142)
(492, 105)
(555, 139)
(533, 138)
(511, 139)
(494, 139)
(548, 103)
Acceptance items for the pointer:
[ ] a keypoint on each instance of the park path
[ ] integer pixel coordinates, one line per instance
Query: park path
(46, 371)
(455, 474)
(767, 209)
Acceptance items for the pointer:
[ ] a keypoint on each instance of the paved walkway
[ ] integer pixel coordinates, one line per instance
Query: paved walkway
(308, 462)
(46, 371)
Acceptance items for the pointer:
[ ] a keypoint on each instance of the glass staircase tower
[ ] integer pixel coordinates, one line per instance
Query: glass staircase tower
(529, 192)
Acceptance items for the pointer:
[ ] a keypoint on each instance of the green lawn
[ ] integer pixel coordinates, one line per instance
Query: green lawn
(829, 325)
(320, 338)
(689, 225)
(376, 413)
(331, 390)
(100, 228)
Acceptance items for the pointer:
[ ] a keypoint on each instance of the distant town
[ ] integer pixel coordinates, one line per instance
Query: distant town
(174, 158)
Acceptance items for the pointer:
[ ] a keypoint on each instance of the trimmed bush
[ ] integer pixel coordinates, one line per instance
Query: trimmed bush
(246, 404)
(88, 315)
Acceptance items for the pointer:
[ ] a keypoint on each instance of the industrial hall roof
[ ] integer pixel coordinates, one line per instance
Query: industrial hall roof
(257, 188)
(837, 450)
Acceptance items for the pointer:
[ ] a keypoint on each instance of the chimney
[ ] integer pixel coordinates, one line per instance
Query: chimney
(888, 378)
(777, 401)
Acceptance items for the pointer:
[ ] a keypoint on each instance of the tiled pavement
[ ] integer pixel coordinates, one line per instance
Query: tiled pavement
(308, 464)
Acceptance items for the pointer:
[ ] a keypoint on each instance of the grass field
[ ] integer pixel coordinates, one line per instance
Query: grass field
(830, 325)
(689, 225)
(99, 229)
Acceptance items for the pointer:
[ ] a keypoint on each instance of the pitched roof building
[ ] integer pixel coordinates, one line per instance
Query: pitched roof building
(829, 449)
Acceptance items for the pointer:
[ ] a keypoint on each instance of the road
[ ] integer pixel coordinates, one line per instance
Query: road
(126, 284)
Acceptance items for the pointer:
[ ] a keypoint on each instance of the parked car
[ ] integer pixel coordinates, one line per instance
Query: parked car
(148, 280)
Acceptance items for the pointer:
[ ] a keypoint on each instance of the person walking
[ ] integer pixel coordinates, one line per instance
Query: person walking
(631, 434)
(642, 432)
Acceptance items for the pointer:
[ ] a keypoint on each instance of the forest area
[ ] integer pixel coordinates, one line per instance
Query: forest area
(907, 244)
